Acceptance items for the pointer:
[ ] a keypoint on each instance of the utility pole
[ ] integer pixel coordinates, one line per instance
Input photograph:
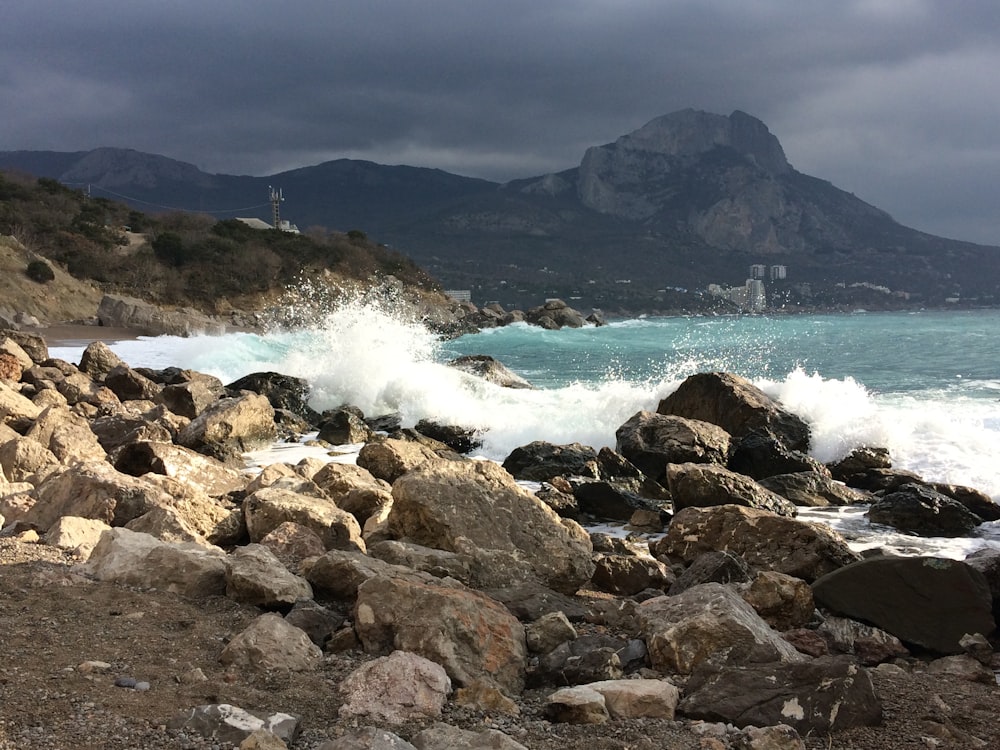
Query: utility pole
(276, 199)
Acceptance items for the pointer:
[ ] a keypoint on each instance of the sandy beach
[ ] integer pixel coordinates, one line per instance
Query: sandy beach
(76, 334)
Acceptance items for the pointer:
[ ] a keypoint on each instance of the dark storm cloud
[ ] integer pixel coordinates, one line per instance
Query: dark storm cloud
(894, 100)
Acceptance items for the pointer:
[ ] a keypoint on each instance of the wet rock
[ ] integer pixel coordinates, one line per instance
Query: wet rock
(541, 462)
(916, 509)
(652, 441)
(703, 485)
(489, 369)
(813, 489)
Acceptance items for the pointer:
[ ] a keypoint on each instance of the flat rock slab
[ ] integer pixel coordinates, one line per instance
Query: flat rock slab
(927, 601)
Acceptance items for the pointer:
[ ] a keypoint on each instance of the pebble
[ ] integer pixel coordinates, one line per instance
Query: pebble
(126, 682)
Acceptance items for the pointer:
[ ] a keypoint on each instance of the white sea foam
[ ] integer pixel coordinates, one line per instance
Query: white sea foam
(364, 354)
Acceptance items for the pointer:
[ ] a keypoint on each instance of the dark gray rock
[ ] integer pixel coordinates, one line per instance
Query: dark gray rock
(859, 461)
(770, 694)
(812, 489)
(917, 509)
(489, 369)
(706, 485)
(717, 566)
(541, 462)
(926, 601)
(459, 439)
(737, 406)
(652, 441)
(343, 427)
(283, 391)
(760, 454)
(626, 575)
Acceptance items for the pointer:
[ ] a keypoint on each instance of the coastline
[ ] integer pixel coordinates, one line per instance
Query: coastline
(81, 334)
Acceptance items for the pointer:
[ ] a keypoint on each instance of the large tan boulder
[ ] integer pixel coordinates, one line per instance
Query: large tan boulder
(695, 484)
(708, 622)
(136, 559)
(473, 637)
(67, 435)
(77, 534)
(268, 508)
(15, 408)
(271, 644)
(354, 489)
(217, 521)
(192, 395)
(764, 540)
(94, 490)
(22, 458)
(388, 459)
(181, 464)
(98, 360)
(231, 425)
(395, 689)
(80, 388)
(255, 576)
(478, 509)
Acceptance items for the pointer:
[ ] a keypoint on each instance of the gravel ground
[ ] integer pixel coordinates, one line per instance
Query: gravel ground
(53, 620)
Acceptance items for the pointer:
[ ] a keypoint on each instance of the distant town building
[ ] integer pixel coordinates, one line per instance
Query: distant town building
(756, 298)
(758, 271)
(459, 295)
(778, 272)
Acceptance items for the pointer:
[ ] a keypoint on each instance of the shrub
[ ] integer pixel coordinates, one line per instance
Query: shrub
(40, 271)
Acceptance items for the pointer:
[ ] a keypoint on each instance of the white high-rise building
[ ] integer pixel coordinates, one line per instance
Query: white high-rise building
(778, 272)
(758, 271)
(756, 298)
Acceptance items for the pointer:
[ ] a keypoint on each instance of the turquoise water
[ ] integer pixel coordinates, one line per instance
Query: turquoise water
(925, 385)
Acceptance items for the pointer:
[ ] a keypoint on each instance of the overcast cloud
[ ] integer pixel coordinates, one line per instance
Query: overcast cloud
(897, 101)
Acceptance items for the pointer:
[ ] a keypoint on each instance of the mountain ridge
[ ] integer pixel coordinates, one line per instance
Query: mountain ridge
(689, 198)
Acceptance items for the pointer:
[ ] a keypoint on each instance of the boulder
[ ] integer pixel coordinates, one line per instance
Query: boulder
(129, 385)
(317, 621)
(703, 485)
(230, 724)
(987, 562)
(181, 464)
(783, 601)
(123, 428)
(859, 461)
(343, 427)
(460, 439)
(77, 534)
(577, 705)
(268, 508)
(708, 622)
(541, 462)
(652, 441)
(477, 508)
(256, 577)
(765, 541)
(916, 509)
(528, 601)
(490, 370)
(15, 409)
(610, 500)
(191, 396)
(339, 573)
(31, 344)
(293, 543)
(11, 368)
(473, 637)
(589, 658)
(94, 490)
(547, 632)
(760, 454)
(150, 320)
(975, 500)
(98, 360)
(230, 426)
(926, 601)
(67, 435)
(822, 695)
(283, 392)
(554, 314)
(367, 738)
(445, 737)
(436, 562)
(271, 644)
(166, 525)
(395, 689)
(135, 559)
(717, 566)
(626, 575)
(638, 699)
(813, 489)
(737, 406)
(80, 388)
(22, 458)
(214, 519)
(870, 645)
(389, 458)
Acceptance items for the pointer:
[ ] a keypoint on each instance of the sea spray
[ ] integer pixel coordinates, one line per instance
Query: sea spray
(365, 352)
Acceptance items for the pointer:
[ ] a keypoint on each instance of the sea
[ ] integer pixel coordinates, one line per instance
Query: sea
(924, 384)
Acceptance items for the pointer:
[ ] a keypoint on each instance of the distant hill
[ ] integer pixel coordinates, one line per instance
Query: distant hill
(689, 199)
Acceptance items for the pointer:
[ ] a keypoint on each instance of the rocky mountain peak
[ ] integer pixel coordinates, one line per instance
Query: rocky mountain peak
(690, 132)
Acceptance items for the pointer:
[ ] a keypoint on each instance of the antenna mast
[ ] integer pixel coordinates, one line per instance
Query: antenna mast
(276, 198)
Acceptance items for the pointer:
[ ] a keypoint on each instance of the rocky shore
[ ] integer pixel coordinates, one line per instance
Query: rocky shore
(154, 593)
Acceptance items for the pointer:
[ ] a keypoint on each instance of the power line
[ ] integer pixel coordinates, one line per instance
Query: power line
(91, 186)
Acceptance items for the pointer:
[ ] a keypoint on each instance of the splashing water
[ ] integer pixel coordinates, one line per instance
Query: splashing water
(364, 351)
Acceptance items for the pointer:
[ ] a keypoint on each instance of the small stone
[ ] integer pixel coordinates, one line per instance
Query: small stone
(89, 667)
(142, 687)
(126, 682)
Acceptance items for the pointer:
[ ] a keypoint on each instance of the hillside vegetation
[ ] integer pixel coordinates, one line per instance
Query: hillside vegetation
(62, 246)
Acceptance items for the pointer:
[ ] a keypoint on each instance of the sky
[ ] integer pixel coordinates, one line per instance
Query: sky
(896, 101)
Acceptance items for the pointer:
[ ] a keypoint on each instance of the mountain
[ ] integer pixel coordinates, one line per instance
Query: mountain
(689, 199)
